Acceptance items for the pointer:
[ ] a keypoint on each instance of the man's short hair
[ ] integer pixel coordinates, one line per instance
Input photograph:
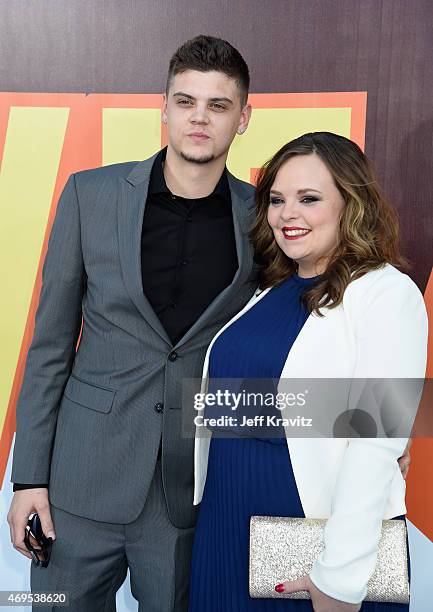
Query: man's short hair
(207, 53)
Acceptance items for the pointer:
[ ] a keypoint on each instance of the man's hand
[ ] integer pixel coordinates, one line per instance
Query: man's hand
(404, 460)
(24, 503)
(319, 600)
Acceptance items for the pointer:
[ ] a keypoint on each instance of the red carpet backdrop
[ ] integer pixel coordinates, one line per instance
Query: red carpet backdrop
(81, 85)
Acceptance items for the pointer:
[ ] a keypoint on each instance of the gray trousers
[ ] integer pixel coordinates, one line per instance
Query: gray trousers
(90, 559)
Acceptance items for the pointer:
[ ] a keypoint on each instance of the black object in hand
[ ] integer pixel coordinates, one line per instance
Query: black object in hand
(41, 555)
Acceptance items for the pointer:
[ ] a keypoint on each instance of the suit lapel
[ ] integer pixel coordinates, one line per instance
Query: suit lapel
(131, 205)
(243, 212)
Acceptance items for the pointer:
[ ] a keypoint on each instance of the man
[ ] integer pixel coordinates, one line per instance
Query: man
(155, 257)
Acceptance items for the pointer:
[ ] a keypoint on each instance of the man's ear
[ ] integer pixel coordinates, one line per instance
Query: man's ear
(164, 108)
(245, 118)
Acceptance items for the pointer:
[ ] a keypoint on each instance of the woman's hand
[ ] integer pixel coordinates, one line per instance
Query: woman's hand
(404, 460)
(320, 601)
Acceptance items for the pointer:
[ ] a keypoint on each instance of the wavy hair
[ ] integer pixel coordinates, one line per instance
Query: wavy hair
(368, 235)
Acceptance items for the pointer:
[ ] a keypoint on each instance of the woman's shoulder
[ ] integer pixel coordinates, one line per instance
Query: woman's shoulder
(384, 280)
(385, 294)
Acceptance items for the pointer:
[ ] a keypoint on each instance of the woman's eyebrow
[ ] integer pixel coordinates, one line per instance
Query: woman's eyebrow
(299, 192)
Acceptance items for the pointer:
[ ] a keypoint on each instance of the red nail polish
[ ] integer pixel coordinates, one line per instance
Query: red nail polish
(280, 588)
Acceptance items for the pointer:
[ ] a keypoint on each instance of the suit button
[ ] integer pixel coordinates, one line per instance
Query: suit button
(172, 356)
(159, 407)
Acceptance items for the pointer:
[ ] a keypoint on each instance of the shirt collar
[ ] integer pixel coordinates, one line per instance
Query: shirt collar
(157, 182)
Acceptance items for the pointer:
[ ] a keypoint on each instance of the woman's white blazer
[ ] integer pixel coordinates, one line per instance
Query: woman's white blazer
(379, 331)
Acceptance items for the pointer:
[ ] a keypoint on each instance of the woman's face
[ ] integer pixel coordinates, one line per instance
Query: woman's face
(304, 212)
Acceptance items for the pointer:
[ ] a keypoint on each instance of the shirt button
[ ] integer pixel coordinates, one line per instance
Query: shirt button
(172, 356)
(173, 197)
(159, 407)
(183, 262)
(189, 218)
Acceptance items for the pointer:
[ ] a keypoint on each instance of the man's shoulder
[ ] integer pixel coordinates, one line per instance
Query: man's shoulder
(244, 189)
(105, 181)
(104, 173)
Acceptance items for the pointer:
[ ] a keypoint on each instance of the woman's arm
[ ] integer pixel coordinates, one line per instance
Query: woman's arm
(390, 325)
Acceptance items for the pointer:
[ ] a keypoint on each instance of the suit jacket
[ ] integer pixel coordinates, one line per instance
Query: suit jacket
(90, 421)
(379, 331)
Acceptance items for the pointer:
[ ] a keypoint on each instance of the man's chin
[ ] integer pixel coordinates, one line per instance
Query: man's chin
(197, 158)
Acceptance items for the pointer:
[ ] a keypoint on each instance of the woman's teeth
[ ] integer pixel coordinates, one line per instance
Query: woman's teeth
(297, 232)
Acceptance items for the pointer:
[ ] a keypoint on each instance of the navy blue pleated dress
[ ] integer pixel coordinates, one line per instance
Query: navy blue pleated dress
(249, 476)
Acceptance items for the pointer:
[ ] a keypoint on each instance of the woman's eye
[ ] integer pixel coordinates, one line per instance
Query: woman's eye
(309, 199)
(276, 201)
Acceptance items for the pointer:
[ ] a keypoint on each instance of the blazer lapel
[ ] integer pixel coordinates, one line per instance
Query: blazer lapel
(131, 205)
(243, 209)
(243, 212)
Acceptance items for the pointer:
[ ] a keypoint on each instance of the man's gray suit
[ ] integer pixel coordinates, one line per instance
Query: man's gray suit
(90, 421)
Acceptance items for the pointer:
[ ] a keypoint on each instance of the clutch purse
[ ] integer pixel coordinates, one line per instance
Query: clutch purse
(284, 548)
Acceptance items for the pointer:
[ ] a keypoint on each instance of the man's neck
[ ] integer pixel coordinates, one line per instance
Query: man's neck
(189, 180)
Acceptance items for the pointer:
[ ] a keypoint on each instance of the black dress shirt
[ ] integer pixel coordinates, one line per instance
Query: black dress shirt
(188, 251)
(188, 254)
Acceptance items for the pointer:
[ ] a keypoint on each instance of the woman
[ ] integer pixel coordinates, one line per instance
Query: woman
(333, 306)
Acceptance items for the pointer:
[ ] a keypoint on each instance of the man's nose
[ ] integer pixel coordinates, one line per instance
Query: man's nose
(200, 114)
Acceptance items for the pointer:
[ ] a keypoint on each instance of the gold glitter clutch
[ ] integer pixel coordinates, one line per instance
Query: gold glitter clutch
(284, 548)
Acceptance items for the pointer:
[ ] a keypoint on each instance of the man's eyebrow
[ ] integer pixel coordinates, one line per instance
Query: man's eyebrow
(227, 100)
(184, 95)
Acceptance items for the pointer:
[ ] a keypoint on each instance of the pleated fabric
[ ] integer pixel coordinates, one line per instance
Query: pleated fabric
(249, 476)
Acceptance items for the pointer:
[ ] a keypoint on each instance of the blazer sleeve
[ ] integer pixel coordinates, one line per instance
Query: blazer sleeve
(390, 324)
(52, 350)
